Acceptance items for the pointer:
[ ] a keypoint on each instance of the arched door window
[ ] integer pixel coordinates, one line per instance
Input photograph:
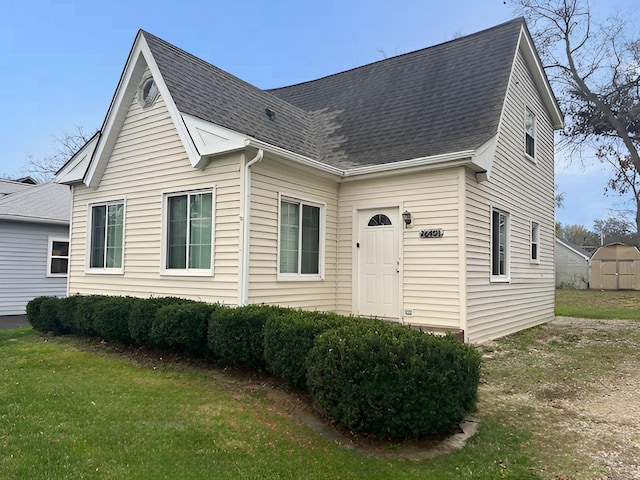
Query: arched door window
(379, 220)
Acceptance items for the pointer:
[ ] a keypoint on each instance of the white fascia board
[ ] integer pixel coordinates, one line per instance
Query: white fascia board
(139, 60)
(447, 159)
(74, 170)
(27, 219)
(529, 52)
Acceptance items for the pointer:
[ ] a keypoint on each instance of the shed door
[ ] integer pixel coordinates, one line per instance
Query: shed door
(609, 271)
(378, 255)
(626, 274)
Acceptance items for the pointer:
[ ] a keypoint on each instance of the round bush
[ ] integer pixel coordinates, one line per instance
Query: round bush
(289, 336)
(393, 382)
(42, 313)
(111, 318)
(182, 326)
(236, 335)
(66, 313)
(83, 319)
(143, 311)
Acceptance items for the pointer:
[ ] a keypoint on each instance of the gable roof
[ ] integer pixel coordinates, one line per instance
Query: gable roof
(579, 251)
(43, 203)
(438, 104)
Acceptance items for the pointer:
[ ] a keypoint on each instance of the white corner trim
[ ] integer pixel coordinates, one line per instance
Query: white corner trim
(483, 156)
(211, 139)
(74, 170)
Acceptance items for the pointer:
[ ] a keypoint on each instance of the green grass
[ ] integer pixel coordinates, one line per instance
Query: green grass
(71, 411)
(598, 304)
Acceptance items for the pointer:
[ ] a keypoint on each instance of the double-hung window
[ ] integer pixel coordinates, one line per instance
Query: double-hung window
(58, 258)
(107, 237)
(189, 232)
(499, 245)
(535, 242)
(300, 242)
(530, 132)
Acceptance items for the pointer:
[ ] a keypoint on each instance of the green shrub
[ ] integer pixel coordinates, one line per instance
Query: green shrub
(66, 313)
(288, 337)
(143, 311)
(393, 382)
(42, 313)
(83, 319)
(236, 335)
(182, 326)
(111, 318)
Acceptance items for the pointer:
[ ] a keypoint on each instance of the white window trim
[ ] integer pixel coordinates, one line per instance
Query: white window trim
(50, 241)
(88, 269)
(531, 243)
(535, 134)
(505, 278)
(186, 272)
(302, 277)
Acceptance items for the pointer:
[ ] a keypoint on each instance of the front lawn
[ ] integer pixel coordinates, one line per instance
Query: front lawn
(598, 304)
(557, 401)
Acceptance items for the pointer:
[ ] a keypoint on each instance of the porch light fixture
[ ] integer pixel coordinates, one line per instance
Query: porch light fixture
(406, 216)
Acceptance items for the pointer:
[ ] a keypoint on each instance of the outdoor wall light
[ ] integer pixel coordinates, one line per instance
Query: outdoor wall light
(406, 216)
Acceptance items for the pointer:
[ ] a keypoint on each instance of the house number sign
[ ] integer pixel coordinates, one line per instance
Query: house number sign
(432, 233)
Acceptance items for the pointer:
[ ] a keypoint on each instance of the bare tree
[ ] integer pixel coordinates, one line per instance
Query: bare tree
(43, 169)
(595, 70)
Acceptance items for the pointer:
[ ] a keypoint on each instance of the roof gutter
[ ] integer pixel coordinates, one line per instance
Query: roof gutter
(246, 223)
(21, 218)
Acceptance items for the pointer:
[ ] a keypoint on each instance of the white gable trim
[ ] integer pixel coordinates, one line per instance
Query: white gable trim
(74, 170)
(139, 60)
(525, 45)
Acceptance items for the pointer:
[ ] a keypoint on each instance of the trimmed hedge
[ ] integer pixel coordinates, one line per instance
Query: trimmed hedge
(372, 376)
(236, 336)
(393, 382)
(143, 312)
(111, 318)
(183, 326)
(288, 337)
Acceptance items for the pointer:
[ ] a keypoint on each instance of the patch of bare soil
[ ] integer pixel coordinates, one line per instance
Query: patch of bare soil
(599, 418)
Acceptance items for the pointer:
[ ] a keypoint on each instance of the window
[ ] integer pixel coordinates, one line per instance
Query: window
(58, 257)
(107, 236)
(189, 231)
(535, 227)
(379, 220)
(530, 133)
(499, 244)
(299, 237)
(147, 93)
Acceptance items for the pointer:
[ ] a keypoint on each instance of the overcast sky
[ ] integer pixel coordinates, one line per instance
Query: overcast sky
(61, 60)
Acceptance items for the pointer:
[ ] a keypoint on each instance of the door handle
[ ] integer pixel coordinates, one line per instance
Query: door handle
(398, 266)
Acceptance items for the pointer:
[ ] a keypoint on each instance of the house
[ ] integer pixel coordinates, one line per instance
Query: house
(616, 267)
(418, 188)
(34, 242)
(572, 266)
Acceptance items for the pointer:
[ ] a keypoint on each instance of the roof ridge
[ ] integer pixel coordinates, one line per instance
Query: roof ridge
(413, 52)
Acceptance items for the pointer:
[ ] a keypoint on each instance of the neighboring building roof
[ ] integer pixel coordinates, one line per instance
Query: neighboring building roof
(11, 186)
(574, 248)
(44, 203)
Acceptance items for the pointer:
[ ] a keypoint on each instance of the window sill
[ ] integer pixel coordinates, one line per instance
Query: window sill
(57, 275)
(530, 158)
(104, 271)
(186, 273)
(502, 279)
(299, 278)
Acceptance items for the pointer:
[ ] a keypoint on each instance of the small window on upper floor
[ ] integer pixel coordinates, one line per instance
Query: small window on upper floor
(530, 133)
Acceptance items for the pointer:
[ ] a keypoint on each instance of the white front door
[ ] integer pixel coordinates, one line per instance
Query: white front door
(378, 255)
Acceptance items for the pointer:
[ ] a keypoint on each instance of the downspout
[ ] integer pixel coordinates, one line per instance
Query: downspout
(244, 297)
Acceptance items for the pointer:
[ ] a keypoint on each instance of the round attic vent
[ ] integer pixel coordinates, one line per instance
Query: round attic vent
(147, 92)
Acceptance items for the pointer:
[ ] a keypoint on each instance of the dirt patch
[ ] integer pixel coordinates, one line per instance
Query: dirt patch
(580, 378)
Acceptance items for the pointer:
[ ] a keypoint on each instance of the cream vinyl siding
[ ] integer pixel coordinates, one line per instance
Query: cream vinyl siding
(525, 190)
(269, 179)
(430, 269)
(148, 161)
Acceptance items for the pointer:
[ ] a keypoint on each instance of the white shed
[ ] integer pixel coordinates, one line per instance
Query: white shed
(572, 266)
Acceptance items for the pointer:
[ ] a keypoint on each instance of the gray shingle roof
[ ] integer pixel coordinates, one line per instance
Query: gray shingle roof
(11, 186)
(44, 202)
(442, 99)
